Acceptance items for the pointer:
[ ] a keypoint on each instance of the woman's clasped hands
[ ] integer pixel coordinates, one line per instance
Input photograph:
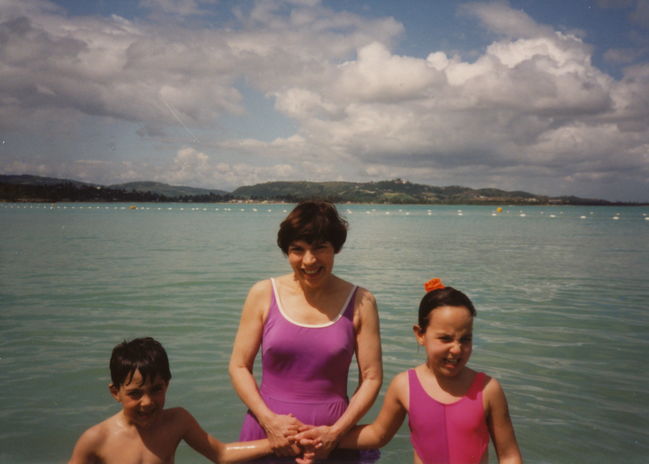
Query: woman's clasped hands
(282, 430)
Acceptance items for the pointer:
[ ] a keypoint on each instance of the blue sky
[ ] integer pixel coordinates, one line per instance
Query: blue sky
(550, 97)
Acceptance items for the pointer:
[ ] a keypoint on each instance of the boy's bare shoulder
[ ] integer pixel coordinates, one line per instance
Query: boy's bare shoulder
(90, 444)
(177, 414)
(178, 419)
(100, 432)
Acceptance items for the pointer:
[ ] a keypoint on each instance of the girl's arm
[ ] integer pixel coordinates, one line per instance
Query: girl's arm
(368, 356)
(500, 424)
(380, 432)
(245, 348)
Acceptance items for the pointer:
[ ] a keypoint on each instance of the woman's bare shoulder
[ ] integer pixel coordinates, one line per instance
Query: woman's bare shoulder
(260, 289)
(365, 300)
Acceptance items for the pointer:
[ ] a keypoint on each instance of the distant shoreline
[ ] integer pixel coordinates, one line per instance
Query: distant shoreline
(279, 202)
(35, 189)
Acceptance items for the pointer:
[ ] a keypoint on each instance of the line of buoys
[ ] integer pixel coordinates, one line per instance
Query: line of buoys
(257, 209)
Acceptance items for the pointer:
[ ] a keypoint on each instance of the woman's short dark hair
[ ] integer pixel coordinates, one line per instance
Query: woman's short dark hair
(313, 221)
(144, 354)
(446, 296)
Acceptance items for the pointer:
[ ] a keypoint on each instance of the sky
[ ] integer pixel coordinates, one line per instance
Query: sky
(549, 97)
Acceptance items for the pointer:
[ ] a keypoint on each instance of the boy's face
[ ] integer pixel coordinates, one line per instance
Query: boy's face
(142, 403)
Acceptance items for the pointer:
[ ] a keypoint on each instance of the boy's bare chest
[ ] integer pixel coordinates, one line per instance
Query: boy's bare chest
(138, 449)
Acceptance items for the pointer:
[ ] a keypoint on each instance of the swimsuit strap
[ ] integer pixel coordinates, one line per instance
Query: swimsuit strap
(350, 304)
(276, 309)
(476, 385)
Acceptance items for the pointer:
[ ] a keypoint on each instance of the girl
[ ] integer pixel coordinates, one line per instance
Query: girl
(452, 409)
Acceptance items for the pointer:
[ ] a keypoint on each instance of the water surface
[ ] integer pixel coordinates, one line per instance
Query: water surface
(561, 294)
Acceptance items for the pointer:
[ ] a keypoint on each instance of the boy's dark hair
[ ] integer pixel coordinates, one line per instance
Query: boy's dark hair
(144, 354)
(313, 221)
(446, 296)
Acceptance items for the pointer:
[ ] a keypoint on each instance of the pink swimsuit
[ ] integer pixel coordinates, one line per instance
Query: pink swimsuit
(304, 373)
(453, 433)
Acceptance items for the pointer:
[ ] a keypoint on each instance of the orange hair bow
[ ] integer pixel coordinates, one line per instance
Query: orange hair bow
(434, 284)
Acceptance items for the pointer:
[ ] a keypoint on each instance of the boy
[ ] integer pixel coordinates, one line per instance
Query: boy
(143, 432)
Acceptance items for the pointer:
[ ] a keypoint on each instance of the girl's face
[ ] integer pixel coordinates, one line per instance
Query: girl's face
(448, 339)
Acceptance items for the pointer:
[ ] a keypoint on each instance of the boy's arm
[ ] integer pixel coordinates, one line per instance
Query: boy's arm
(500, 424)
(217, 451)
(85, 450)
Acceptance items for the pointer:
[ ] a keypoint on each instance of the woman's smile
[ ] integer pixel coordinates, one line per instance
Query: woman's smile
(311, 261)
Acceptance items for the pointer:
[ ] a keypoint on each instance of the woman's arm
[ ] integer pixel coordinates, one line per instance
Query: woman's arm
(500, 424)
(245, 348)
(368, 356)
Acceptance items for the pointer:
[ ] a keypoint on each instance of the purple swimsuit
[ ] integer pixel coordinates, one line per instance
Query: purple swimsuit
(453, 433)
(304, 372)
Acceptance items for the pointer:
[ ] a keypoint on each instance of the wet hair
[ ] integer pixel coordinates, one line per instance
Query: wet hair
(313, 222)
(144, 354)
(446, 296)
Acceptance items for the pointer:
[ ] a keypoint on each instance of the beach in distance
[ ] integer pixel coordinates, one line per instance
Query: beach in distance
(561, 294)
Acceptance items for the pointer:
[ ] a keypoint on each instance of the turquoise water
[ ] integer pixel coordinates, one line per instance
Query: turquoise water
(562, 296)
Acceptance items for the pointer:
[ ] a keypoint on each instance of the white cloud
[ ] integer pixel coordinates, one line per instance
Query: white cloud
(500, 18)
(531, 108)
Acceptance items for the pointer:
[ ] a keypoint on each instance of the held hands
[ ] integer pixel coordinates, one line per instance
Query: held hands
(281, 431)
(309, 448)
(323, 438)
(307, 439)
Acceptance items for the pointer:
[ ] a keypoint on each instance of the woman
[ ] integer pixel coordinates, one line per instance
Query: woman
(309, 324)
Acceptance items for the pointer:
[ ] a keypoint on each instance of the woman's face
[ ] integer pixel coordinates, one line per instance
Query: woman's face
(312, 263)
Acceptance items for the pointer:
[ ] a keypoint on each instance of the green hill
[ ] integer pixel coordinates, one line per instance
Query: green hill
(396, 191)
